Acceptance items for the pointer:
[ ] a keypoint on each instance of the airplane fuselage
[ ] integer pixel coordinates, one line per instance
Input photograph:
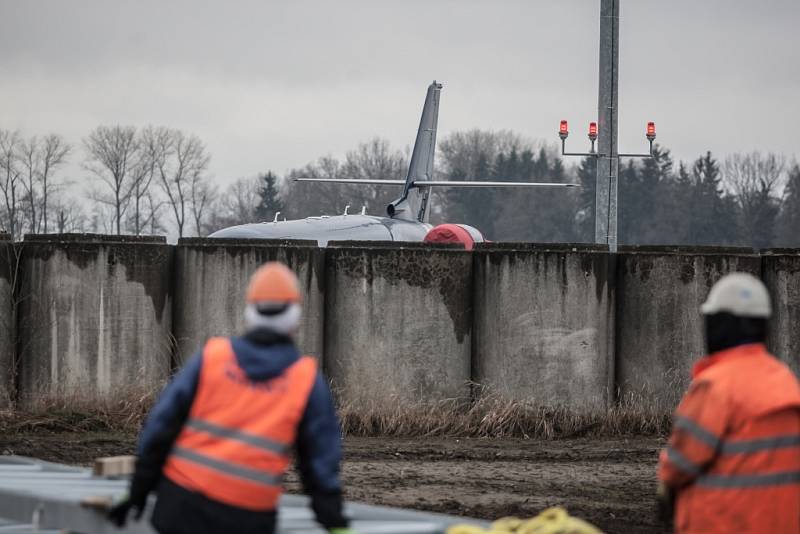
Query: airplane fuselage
(327, 228)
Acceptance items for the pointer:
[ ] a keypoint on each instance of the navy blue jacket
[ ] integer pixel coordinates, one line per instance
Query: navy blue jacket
(263, 356)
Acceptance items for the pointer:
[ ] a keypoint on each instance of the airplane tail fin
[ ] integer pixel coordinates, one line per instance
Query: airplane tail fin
(413, 205)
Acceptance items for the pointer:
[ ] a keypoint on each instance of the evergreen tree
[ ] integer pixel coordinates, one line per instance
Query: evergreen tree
(647, 214)
(712, 213)
(789, 220)
(540, 215)
(679, 206)
(269, 201)
(629, 193)
(584, 217)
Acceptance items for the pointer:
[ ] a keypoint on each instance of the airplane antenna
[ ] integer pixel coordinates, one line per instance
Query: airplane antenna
(276, 216)
(363, 210)
(346, 208)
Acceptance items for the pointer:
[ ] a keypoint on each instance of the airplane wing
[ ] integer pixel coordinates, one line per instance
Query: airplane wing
(456, 183)
(439, 183)
(352, 181)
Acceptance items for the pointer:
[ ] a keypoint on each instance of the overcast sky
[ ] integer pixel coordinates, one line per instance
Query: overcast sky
(274, 85)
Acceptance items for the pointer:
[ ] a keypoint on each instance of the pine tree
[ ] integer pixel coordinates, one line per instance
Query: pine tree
(584, 217)
(269, 201)
(647, 221)
(713, 214)
(789, 220)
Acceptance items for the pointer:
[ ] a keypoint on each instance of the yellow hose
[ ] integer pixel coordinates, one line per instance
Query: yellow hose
(554, 520)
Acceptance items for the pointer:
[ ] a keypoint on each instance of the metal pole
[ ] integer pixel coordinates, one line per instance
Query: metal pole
(605, 228)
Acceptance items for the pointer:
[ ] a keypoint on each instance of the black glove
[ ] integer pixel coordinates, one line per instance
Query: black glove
(665, 498)
(118, 514)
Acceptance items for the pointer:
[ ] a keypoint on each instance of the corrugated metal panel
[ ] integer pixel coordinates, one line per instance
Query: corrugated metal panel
(44, 497)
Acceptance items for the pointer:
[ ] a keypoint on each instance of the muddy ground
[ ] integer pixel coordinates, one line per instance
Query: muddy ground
(609, 482)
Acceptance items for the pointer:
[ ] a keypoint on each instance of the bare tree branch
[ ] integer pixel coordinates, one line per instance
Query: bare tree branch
(53, 153)
(112, 152)
(185, 158)
(9, 180)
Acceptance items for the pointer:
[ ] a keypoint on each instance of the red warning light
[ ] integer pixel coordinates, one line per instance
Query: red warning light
(651, 131)
(563, 130)
(593, 131)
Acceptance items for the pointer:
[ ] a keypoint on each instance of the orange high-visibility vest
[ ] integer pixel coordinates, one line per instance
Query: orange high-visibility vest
(235, 447)
(734, 453)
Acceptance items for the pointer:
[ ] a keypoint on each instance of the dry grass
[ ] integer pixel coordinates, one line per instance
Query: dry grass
(491, 416)
(494, 417)
(124, 415)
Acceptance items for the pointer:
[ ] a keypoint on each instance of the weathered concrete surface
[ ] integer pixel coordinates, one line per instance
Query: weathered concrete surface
(211, 278)
(542, 324)
(7, 322)
(94, 316)
(398, 326)
(780, 270)
(658, 321)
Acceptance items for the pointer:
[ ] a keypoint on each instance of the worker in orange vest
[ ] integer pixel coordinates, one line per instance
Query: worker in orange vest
(732, 463)
(218, 442)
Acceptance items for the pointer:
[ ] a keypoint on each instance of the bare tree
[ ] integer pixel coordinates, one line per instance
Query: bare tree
(112, 153)
(10, 180)
(154, 146)
(53, 153)
(185, 160)
(153, 219)
(374, 159)
(69, 216)
(756, 182)
(237, 205)
(202, 192)
(29, 159)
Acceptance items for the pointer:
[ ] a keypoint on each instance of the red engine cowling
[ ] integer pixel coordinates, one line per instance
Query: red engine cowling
(455, 233)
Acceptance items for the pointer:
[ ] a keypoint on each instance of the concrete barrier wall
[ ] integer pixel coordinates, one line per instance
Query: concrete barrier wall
(555, 325)
(94, 316)
(398, 323)
(781, 273)
(211, 277)
(542, 324)
(659, 327)
(7, 322)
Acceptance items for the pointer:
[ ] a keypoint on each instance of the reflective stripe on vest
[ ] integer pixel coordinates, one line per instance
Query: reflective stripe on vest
(237, 435)
(235, 446)
(749, 481)
(253, 475)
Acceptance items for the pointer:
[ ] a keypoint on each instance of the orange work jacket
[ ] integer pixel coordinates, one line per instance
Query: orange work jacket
(734, 454)
(235, 446)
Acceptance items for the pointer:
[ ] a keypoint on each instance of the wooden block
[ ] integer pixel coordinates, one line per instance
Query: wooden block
(98, 502)
(114, 466)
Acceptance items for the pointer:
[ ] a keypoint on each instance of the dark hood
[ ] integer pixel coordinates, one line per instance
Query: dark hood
(725, 331)
(263, 355)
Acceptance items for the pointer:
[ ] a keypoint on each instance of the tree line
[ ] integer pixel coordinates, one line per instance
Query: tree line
(140, 181)
(155, 179)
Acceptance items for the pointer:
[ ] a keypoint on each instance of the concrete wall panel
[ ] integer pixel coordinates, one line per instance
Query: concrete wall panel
(781, 274)
(658, 322)
(398, 323)
(7, 322)
(542, 324)
(94, 316)
(211, 277)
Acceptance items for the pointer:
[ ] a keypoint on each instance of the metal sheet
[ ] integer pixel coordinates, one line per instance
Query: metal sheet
(45, 498)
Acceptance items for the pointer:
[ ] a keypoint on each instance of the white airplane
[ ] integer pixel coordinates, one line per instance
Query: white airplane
(406, 218)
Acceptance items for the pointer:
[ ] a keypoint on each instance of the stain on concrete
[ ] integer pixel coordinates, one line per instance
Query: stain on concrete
(292, 251)
(447, 270)
(146, 261)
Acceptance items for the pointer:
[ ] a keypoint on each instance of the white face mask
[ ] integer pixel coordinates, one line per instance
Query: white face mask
(285, 323)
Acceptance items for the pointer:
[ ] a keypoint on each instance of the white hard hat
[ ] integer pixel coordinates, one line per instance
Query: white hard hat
(739, 294)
